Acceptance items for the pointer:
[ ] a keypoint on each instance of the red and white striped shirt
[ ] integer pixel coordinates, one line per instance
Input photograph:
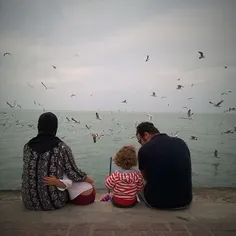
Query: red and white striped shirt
(125, 185)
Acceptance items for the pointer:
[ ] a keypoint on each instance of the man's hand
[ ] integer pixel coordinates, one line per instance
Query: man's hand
(50, 180)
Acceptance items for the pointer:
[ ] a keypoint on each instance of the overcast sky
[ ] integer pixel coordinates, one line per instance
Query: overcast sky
(99, 47)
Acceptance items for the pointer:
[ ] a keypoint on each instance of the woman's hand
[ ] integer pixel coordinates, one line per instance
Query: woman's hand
(89, 180)
(51, 180)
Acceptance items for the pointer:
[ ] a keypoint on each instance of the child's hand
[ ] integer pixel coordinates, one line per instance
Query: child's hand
(50, 180)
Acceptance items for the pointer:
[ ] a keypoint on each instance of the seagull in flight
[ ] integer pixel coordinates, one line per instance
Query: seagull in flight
(153, 94)
(147, 59)
(68, 119)
(124, 101)
(97, 116)
(54, 67)
(194, 138)
(31, 86)
(149, 117)
(6, 53)
(191, 85)
(12, 106)
(44, 85)
(189, 113)
(78, 122)
(190, 98)
(201, 55)
(72, 95)
(179, 86)
(88, 127)
(216, 104)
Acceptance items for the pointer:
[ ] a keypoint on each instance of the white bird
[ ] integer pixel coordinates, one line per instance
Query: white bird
(149, 117)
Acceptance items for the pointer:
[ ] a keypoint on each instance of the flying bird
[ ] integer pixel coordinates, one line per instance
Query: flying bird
(201, 55)
(216, 104)
(179, 79)
(124, 101)
(179, 86)
(194, 138)
(31, 86)
(191, 85)
(44, 85)
(190, 98)
(54, 67)
(226, 67)
(147, 59)
(78, 122)
(163, 97)
(216, 154)
(153, 94)
(149, 117)
(88, 127)
(72, 95)
(19, 106)
(11, 106)
(68, 119)
(97, 116)
(6, 53)
(189, 113)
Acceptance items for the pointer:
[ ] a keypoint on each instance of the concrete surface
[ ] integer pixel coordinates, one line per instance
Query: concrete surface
(213, 212)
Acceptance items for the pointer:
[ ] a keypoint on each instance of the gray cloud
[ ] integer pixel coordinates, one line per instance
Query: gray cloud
(112, 39)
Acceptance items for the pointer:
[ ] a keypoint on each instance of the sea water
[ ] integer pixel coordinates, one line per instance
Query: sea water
(17, 127)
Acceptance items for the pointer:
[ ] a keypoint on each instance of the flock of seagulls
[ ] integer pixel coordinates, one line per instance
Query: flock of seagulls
(96, 136)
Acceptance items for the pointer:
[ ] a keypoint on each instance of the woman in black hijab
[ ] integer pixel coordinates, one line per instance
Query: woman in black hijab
(47, 155)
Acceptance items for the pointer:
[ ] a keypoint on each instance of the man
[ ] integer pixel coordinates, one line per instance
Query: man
(165, 164)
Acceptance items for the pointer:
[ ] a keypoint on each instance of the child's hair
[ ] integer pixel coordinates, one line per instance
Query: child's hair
(126, 157)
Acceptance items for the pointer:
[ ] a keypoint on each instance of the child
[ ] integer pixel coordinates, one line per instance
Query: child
(81, 193)
(126, 181)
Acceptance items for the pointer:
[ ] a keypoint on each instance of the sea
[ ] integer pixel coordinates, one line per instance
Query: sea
(117, 129)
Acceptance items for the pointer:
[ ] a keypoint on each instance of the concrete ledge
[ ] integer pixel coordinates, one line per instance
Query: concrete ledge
(213, 212)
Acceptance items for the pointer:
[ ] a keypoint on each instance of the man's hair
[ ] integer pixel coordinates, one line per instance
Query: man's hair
(146, 127)
(126, 157)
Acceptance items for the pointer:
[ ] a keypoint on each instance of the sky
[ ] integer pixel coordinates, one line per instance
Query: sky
(99, 48)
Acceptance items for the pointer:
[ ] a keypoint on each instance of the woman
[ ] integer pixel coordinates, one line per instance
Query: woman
(46, 155)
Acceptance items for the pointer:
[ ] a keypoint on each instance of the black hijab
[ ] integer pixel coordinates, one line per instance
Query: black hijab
(46, 139)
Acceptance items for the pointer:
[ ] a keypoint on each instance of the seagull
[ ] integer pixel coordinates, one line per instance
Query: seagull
(35, 103)
(216, 104)
(153, 94)
(193, 138)
(54, 67)
(191, 85)
(190, 98)
(44, 85)
(224, 93)
(201, 55)
(179, 86)
(216, 154)
(178, 79)
(12, 106)
(68, 119)
(228, 132)
(147, 59)
(88, 127)
(149, 117)
(72, 95)
(6, 53)
(94, 138)
(19, 106)
(97, 116)
(31, 86)
(189, 113)
(226, 67)
(124, 101)
(78, 122)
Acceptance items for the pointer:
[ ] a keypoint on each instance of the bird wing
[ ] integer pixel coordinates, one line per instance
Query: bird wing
(44, 85)
(219, 103)
(201, 53)
(9, 104)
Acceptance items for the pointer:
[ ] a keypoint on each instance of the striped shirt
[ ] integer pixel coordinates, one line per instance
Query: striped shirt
(125, 184)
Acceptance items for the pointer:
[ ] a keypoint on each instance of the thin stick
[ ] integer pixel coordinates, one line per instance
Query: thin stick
(110, 171)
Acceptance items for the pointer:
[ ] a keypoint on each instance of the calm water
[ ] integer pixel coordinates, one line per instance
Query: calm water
(208, 171)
